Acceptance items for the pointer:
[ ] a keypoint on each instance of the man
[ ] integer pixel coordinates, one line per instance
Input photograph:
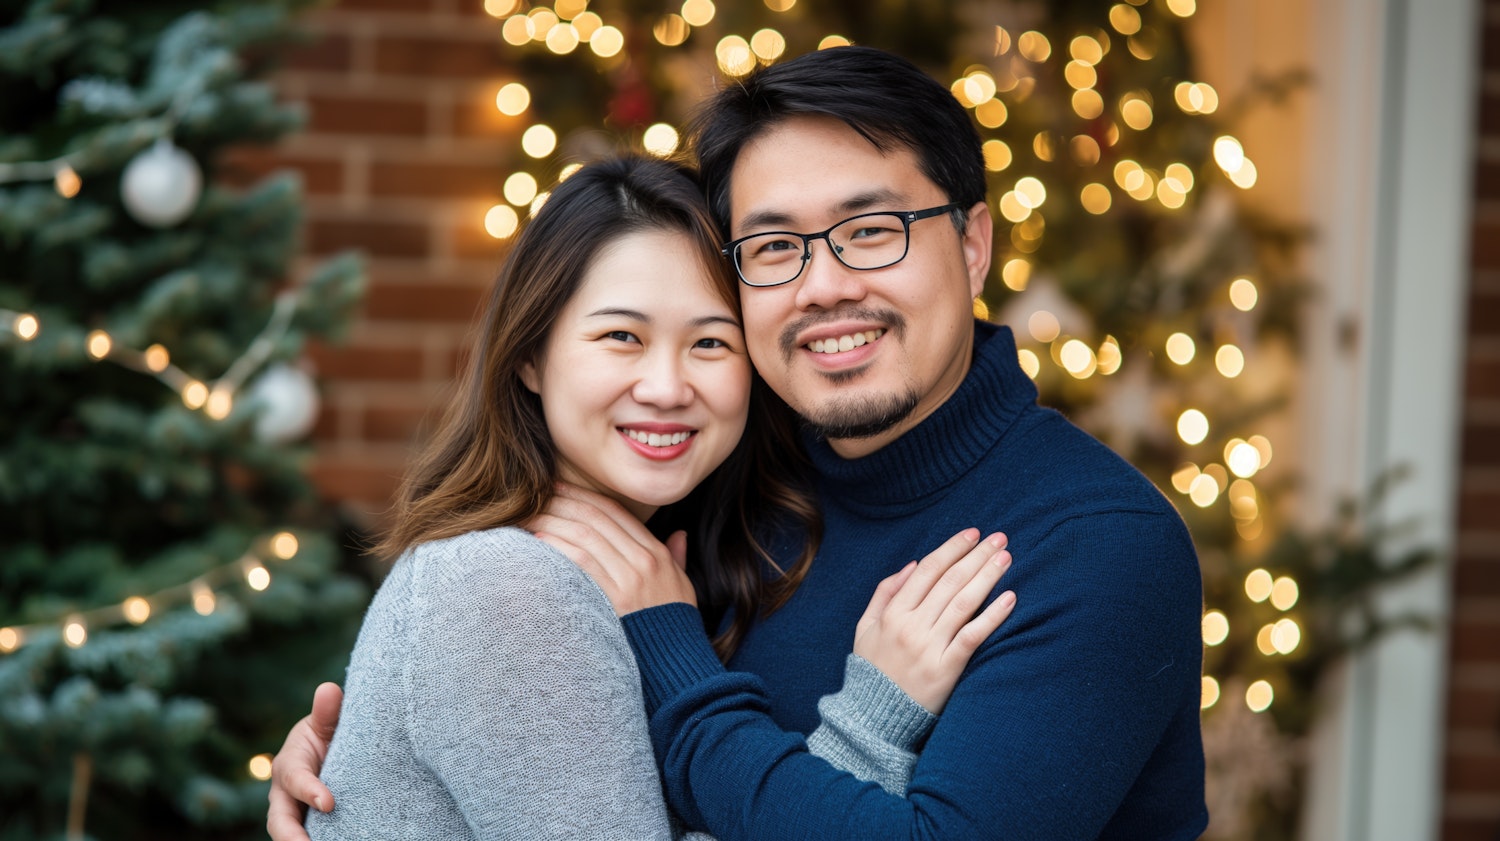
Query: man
(851, 187)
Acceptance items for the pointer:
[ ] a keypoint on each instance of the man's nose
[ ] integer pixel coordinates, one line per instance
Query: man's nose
(826, 282)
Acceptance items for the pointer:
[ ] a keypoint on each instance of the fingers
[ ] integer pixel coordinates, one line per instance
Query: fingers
(956, 580)
(983, 571)
(976, 631)
(327, 699)
(284, 818)
(884, 592)
(931, 568)
(677, 546)
(604, 510)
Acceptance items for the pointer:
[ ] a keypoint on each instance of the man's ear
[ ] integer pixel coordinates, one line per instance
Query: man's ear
(978, 246)
(531, 378)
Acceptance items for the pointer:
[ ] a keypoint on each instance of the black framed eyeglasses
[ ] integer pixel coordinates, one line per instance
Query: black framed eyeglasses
(865, 242)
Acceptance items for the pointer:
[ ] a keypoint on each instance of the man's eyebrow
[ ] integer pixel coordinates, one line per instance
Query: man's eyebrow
(765, 220)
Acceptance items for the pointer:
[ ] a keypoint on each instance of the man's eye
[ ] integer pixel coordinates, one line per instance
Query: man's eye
(869, 231)
(775, 247)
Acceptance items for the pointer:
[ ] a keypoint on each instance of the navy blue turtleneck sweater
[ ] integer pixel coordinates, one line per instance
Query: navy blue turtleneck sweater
(1078, 719)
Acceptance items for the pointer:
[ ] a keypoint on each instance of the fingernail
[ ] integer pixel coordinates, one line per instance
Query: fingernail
(1008, 598)
(997, 540)
(971, 535)
(1003, 559)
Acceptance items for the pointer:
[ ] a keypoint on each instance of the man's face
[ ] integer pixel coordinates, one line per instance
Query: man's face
(862, 355)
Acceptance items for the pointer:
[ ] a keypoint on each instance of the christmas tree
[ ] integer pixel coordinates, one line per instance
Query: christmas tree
(1148, 302)
(170, 589)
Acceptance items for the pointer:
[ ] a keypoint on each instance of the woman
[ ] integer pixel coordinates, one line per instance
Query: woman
(492, 692)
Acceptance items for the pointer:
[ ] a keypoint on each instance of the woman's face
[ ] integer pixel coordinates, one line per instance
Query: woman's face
(644, 378)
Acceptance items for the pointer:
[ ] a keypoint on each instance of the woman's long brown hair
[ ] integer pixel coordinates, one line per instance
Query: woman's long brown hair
(491, 461)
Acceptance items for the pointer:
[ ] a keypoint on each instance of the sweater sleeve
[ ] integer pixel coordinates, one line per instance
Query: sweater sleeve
(870, 727)
(524, 699)
(1044, 736)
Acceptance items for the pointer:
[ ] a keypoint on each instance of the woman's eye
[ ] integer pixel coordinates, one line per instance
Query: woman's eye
(621, 336)
(711, 344)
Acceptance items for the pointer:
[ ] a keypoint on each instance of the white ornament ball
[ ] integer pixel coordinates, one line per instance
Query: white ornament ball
(285, 401)
(160, 186)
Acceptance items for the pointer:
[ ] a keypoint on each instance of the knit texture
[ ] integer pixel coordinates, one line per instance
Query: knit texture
(492, 694)
(1078, 719)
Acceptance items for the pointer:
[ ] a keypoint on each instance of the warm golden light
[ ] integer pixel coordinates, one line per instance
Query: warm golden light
(563, 39)
(260, 766)
(194, 395)
(671, 30)
(780, 5)
(1136, 112)
(734, 55)
(257, 576)
(156, 358)
(1095, 198)
(991, 113)
(1215, 627)
(1203, 491)
(698, 12)
(1284, 593)
(1210, 692)
(1041, 146)
(831, 41)
(1182, 8)
(10, 640)
(1229, 154)
(1258, 585)
(542, 22)
(1169, 194)
(539, 141)
(1182, 477)
(1204, 98)
(536, 204)
(1125, 19)
(74, 633)
(220, 403)
(961, 90)
(1088, 104)
(1259, 696)
(1246, 176)
(1016, 273)
(1110, 357)
(979, 86)
(136, 610)
(517, 30)
(26, 326)
(284, 545)
(1180, 348)
(1085, 149)
(513, 99)
(1243, 459)
(1029, 362)
(203, 599)
(1031, 192)
(520, 188)
(1034, 46)
(1180, 173)
(1080, 74)
(587, 24)
(768, 44)
(1043, 326)
(1085, 49)
(1265, 641)
(1243, 294)
(1012, 208)
(1285, 636)
(99, 344)
(1230, 361)
(607, 41)
(996, 155)
(66, 182)
(1078, 359)
(1192, 426)
(501, 221)
(660, 139)
(1263, 445)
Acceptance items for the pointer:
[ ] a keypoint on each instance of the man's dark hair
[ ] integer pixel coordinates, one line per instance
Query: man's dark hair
(884, 97)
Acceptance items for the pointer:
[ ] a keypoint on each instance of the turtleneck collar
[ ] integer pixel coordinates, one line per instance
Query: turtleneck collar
(945, 445)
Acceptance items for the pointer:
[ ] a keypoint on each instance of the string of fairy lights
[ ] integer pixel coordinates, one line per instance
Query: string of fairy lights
(566, 25)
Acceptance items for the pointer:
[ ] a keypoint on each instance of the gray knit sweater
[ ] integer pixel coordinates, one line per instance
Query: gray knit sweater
(492, 694)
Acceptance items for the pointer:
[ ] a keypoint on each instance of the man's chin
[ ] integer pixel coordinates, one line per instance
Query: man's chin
(857, 418)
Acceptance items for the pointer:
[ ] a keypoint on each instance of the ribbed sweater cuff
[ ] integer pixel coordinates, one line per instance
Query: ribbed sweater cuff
(672, 649)
(874, 701)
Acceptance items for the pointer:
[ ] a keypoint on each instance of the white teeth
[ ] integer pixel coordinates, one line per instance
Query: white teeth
(652, 439)
(844, 343)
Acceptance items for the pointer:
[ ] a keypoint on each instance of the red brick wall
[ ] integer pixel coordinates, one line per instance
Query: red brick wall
(403, 154)
(1471, 803)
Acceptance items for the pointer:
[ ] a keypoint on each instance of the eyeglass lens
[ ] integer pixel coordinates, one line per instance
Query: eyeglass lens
(864, 242)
